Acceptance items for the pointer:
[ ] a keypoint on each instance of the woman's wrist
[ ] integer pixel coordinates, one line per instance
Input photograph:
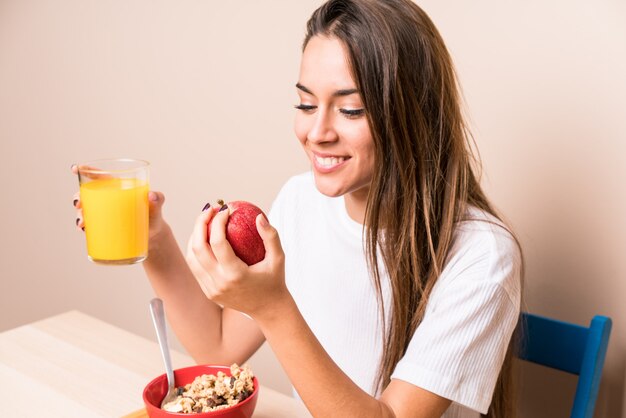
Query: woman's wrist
(275, 310)
(161, 246)
(159, 235)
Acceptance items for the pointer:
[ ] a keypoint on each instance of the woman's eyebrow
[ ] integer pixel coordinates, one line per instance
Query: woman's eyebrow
(345, 92)
(304, 89)
(342, 92)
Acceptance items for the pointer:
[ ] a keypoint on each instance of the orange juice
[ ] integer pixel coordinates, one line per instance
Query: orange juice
(115, 211)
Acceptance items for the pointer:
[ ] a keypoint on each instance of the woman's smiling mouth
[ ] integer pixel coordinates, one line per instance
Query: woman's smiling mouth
(326, 163)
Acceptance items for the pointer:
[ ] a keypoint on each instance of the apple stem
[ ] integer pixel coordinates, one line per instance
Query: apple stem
(220, 202)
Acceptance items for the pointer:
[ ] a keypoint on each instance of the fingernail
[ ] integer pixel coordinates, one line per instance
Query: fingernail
(153, 197)
(206, 207)
(75, 202)
(83, 228)
(223, 208)
(263, 221)
(77, 221)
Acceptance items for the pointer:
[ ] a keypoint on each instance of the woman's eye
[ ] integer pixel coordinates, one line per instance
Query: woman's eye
(352, 113)
(305, 108)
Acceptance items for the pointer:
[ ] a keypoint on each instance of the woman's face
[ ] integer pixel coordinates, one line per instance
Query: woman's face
(331, 123)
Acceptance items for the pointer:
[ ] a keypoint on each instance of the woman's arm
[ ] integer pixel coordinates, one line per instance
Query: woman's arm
(209, 333)
(260, 291)
(324, 388)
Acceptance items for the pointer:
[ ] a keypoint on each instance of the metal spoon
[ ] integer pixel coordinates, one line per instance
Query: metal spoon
(158, 319)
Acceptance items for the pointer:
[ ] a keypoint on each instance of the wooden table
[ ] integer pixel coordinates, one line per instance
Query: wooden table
(73, 365)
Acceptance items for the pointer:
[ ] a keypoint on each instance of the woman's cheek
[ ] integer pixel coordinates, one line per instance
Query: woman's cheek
(300, 129)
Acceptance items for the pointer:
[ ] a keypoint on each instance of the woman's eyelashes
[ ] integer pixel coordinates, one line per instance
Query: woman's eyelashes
(349, 113)
(352, 113)
(306, 108)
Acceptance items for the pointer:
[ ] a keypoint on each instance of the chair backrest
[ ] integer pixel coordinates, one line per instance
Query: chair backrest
(571, 348)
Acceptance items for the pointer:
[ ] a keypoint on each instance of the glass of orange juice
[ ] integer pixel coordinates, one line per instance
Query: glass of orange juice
(114, 199)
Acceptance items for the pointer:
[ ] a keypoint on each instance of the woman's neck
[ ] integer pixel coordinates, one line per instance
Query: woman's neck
(356, 202)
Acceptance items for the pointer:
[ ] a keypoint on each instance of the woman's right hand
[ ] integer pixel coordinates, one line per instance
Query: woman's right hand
(156, 222)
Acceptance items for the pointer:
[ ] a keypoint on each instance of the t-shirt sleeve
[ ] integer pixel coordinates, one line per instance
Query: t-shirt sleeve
(458, 349)
(277, 210)
(285, 207)
(275, 215)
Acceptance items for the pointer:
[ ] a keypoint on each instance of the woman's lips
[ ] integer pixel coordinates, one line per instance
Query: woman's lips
(327, 163)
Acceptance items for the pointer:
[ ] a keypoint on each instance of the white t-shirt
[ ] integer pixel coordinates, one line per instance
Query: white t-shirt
(457, 350)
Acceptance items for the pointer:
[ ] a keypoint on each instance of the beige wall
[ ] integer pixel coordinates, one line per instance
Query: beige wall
(204, 90)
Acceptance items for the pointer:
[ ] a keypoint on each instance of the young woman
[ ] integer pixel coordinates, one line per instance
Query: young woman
(389, 287)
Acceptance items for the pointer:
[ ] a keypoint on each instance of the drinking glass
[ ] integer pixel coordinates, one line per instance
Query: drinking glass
(114, 199)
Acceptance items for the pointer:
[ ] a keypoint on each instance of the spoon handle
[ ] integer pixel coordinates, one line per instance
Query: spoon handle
(158, 319)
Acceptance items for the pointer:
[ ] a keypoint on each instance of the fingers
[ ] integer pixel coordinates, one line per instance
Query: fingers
(219, 244)
(80, 223)
(156, 200)
(198, 241)
(271, 240)
(205, 280)
(200, 257)
(76, 200)
(90, 172)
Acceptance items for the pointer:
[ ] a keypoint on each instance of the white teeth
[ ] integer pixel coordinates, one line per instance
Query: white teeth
(329, 161)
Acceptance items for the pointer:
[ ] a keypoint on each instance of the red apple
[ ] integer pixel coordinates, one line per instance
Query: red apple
(241, 232)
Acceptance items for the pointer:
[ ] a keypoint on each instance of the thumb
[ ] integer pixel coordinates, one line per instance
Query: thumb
(270, 237)
(156, 200)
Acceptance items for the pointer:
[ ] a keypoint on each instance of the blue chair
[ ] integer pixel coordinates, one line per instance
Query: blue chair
(571, 348)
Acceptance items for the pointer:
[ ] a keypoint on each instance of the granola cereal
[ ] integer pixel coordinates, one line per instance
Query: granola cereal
(210, 392)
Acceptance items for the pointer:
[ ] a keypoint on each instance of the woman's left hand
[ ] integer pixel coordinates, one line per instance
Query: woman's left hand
(225, 278)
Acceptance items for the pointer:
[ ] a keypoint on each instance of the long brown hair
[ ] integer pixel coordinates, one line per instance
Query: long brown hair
(424, 176)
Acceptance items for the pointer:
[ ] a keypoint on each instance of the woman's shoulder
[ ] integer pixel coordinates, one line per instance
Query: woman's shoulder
(484, 252)
(483, 231)
(296, 194)
(298, 187)
(300, 182)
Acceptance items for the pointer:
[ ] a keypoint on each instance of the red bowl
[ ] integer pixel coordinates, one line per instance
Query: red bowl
(155, 391)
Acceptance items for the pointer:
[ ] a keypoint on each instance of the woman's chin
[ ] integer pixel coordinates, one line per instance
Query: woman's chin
(328, 189)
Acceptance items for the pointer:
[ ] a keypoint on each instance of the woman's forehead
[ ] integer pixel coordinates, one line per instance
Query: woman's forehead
(325, 61)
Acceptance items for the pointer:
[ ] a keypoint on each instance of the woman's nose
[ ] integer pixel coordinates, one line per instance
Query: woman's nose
(322, 129)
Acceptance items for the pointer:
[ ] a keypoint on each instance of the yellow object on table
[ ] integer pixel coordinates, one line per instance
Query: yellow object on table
(142, 413)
